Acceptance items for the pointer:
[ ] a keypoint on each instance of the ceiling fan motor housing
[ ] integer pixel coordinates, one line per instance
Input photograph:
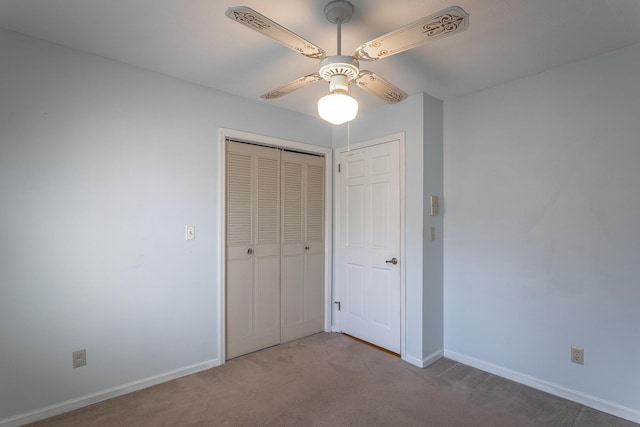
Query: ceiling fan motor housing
(338, 71)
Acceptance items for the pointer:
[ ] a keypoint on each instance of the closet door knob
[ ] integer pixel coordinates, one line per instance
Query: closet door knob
(249, 251)
(307, 247)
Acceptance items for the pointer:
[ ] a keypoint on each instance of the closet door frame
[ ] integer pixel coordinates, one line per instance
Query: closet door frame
(268, 141)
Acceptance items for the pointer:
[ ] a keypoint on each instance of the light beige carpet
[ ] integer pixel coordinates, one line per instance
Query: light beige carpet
(332, 380)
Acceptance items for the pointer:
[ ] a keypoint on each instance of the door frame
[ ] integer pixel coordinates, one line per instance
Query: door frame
(268, 141)
(400, 137)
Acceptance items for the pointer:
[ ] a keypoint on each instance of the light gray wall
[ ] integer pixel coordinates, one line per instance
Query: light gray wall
(542, 248)
(101, 167)
(433, 252)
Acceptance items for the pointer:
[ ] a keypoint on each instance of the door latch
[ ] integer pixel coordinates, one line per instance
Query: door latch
(337, 302)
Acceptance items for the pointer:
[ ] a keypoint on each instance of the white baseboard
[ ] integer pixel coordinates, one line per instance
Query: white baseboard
(70, 405)
(551, 388)
(424, 362)
(575, 396)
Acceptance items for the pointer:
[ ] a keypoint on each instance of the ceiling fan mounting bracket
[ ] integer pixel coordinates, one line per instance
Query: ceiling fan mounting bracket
(338, 11)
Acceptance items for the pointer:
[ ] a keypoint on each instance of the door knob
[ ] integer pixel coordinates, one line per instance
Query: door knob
(393, 261)
(307, 247)
(249, 251)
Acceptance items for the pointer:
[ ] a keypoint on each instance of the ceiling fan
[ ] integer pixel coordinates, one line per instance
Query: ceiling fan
(340, 70)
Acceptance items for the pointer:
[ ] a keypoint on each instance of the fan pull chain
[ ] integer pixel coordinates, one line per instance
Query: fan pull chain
(348, 136)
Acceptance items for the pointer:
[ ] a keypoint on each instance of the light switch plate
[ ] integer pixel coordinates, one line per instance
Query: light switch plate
(189, 232)
(435, 205)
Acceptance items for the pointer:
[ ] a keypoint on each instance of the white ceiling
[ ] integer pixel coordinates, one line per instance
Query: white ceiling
(194, 41)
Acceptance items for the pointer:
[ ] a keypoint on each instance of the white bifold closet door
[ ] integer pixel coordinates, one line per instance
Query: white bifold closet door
(274, 247)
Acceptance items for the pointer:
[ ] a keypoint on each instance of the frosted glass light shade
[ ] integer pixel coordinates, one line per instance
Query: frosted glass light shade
(337, 108)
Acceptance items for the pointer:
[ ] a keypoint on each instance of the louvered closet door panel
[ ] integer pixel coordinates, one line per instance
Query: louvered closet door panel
(267, 247)
(253, 248)
(239, 200)
(239, 266)
(315, 200)
(292, 244)
(314, 231)
(302, 282)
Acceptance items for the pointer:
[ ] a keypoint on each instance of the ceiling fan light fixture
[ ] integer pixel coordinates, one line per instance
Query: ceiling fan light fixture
(338, 107)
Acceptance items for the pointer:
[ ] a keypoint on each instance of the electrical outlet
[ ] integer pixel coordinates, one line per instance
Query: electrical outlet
(79, 358)
(577, 355)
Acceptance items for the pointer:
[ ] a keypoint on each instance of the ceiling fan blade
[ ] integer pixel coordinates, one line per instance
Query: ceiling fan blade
(446, 22)
(379, 87)
(260, 23)
(290, 87)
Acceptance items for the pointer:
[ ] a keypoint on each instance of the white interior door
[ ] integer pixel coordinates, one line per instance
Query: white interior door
(368, 259)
